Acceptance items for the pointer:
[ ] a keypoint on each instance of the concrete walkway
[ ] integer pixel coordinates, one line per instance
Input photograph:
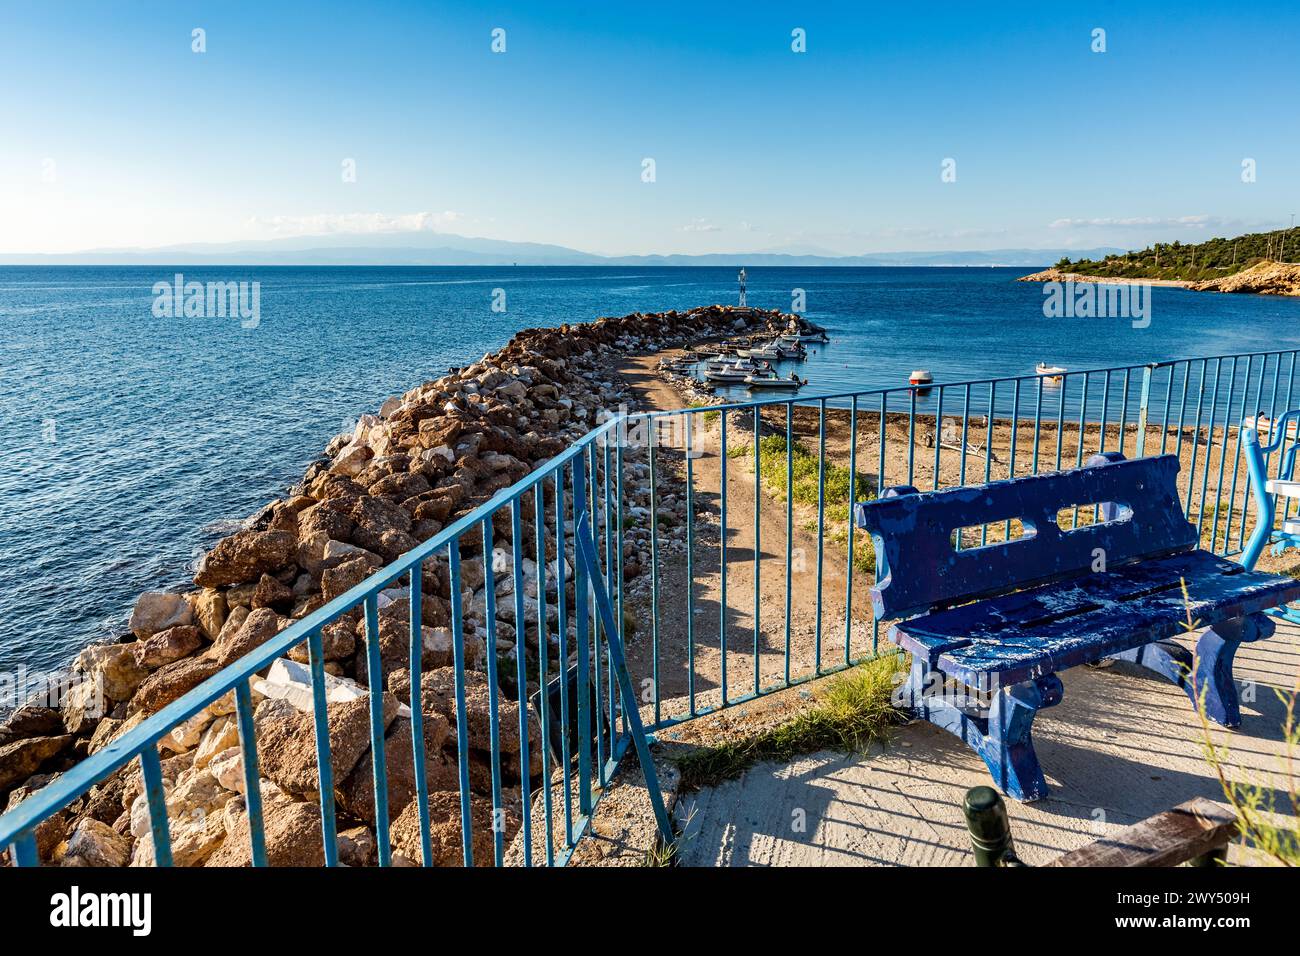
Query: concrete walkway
(1120, 747)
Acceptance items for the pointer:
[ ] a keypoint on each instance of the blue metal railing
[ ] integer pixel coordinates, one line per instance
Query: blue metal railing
(781, 600)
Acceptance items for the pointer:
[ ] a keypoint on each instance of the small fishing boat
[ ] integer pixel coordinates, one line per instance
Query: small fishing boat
(920, 376)
(1054, 372)
(772, 380)
(795, 351)
(797, 336)
(768, 350)
(727, 373)
(1264, 425)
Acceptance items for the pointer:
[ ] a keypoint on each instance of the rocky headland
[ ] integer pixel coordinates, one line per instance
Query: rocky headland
(423, 460)
(1262, 278)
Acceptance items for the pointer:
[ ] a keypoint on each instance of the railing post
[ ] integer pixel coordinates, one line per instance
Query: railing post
(1144, 409)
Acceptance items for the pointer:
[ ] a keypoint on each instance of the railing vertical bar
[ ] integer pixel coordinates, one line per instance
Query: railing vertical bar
(1123, 410)
(543, 652)
(156, 798)
(821, 528)
(1281, 454)
(494, 718)
(789, 529)
(758, 505)
(24, 851)
(1196, 435)
(1209, 450)
(1060, 420)
(911, 435)
(1011, 455)
(652, 426)
(1223, 459)
(592, 636)
(252, 777)
(1083, 426)
(722, 556)
(938, 437)
(324, 766)
(1236, 464)
(562, 665)
(462, 719)
(853, 497)
(1038, 425)
(580, 611)
(1182, 407)
(521, 671)
(690, 565)
(1169, 403)
(375, 679)
(988, 452)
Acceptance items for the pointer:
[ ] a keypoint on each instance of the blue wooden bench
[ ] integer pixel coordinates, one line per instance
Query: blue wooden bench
(990, 627)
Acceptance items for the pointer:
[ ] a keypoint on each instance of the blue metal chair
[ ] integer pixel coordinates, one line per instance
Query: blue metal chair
(1266, 492)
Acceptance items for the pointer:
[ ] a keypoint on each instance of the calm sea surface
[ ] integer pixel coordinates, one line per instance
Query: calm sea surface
(131, 442)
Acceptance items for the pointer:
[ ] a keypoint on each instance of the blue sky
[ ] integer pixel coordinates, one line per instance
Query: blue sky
(114, 133)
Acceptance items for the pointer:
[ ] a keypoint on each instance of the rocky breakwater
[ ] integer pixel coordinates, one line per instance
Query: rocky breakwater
(402, 475)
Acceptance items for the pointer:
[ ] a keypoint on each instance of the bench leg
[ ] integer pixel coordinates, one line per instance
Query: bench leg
(1001, 735)
(1206, 675)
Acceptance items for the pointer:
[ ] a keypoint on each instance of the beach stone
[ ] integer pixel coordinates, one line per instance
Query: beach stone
(170, 682)
(165, 647)
(259, 627)
(244, 556)
(93, 843)
(210, 612)
(156, 611)
(22, 758)
(351, 460)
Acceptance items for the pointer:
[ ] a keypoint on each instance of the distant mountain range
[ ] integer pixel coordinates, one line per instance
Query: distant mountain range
(445, 249)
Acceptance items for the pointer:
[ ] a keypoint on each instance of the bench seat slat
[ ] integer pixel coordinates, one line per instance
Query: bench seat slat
(1026, 634)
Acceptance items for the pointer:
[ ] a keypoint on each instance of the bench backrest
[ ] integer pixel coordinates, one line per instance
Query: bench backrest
(918, 567)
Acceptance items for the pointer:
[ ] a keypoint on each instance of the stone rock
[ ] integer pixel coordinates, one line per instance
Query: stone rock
(22, 758)
(286, 740)
(438, 692)
(292, 833)
(110, 729)
(444, 829)
(244, 556)
(357, 793)
(170, 682)
(54, 829)
(113, 668)
(357, 847)
(220, 736)
(165, 647)
(194, 813)
(351, 461)
(259, 627)
(158, 610)
(348, 575)
(270, 592)
(210, 612)
(31, 721)
(93, 843)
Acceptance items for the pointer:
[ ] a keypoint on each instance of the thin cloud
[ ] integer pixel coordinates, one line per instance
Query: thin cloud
(700, 225)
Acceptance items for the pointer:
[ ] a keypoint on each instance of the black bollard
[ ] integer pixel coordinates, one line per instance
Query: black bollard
(990, 828)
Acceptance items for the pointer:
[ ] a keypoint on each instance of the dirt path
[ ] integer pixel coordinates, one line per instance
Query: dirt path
(675, 645)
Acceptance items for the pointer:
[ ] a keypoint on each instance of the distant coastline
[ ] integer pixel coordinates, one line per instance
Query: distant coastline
(1262, 278)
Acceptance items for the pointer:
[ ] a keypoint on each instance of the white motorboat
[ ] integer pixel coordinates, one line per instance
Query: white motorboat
(768, 350)
(793, 337)
(795, 351)
(920, 376)
(774, 381)
(1054, 372)
(727, 373)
